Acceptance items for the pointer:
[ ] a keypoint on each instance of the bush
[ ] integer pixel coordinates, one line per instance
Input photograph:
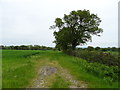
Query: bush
(101, 70)
(102, 64)
(95, 56)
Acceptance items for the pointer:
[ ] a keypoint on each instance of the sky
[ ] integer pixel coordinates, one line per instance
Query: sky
(27, 22)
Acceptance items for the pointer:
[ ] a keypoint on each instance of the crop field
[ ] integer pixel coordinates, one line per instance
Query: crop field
(21, 69)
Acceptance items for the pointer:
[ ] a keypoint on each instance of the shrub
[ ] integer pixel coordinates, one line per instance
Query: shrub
(102, 64)
(101, 70)
(95, 56)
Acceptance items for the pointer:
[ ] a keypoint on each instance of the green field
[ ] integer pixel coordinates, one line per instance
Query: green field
(20, 67)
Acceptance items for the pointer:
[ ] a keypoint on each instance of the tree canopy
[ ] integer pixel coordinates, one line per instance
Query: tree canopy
(75, 29)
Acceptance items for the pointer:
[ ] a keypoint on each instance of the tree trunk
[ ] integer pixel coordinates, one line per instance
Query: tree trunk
(74, 44)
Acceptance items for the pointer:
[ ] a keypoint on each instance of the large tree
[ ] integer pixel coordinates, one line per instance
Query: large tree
(75, 29)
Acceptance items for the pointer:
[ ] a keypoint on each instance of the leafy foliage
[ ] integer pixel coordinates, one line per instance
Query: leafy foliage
(76, 29)
(106, 72)
(95, 56)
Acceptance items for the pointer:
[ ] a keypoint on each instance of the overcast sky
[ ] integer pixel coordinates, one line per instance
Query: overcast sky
(27, 21)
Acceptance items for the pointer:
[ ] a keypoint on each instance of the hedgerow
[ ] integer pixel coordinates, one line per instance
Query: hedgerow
(102, 64)
(97, 56)
(109, 73)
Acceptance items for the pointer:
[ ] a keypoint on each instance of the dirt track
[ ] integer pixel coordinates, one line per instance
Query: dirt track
(46, 76)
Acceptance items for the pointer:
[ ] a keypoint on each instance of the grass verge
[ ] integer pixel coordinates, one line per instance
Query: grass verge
(60, 83)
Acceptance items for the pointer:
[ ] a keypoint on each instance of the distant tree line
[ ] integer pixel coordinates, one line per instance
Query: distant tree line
(38, 47)
(26, 47)
(90, 48)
